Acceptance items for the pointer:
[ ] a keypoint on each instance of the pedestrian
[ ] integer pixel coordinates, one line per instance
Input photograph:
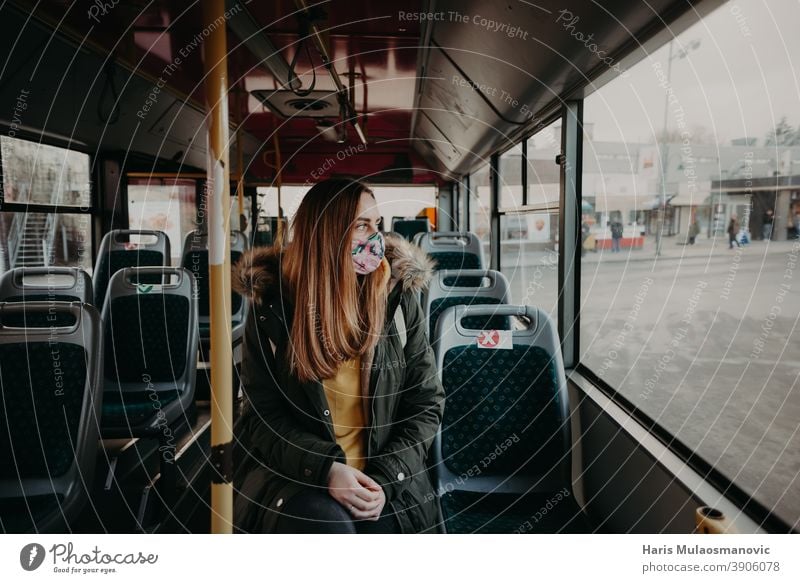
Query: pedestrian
(616, 236)
(796, 223)
(733, 229)
(766, 228)
(694, 230)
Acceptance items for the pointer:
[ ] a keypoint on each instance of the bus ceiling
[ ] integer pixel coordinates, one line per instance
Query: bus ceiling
(397, 91)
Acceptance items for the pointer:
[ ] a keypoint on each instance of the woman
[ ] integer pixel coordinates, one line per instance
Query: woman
(342, 395)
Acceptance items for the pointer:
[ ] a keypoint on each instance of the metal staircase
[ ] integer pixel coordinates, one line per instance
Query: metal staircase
(31, 238)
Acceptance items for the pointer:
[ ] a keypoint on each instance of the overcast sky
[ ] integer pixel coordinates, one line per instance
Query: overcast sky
(742, 77)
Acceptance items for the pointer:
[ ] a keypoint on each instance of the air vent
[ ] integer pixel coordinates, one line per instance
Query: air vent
(289, 104)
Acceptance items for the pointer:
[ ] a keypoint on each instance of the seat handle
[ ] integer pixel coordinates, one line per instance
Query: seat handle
(51, 308)
(162, 270)
(22, 272)
(531, 313)
(490, 274)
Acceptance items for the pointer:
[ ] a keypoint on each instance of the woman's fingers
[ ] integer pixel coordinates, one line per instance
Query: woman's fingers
(361, 504)
(366, 495)
(366, 481)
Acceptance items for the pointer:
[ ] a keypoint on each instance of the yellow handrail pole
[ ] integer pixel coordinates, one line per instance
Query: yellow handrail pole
(219, 265)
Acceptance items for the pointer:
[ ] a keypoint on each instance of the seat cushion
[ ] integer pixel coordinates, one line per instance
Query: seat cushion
(540, 513)
(134, 408)
(455, 260)
(147, 337)
(504, 411)
(43, 387)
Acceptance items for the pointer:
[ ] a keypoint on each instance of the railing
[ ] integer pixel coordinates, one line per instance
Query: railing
(49, 239)
(15, 237)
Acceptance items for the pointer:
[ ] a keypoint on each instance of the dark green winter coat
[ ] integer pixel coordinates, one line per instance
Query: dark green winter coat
(285, 437)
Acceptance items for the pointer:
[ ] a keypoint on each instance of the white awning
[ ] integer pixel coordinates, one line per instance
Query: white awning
(690, 199)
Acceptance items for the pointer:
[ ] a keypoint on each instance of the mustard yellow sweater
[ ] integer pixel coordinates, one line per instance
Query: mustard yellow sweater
(345, 401)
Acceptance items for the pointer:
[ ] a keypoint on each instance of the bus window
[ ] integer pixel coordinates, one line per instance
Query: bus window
(480, 206)
(40, 178)
(510, 170)
(164, 205)
(544, 180)
(694, 327)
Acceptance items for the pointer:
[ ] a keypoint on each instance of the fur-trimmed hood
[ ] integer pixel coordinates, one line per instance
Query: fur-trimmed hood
(256, 273)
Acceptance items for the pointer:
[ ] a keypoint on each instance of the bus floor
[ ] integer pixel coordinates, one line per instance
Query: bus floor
(139, 487)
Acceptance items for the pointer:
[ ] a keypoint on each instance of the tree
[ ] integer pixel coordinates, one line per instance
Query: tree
(783, 134)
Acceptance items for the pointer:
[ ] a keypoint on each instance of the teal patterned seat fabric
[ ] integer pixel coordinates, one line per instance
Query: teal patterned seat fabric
(490, 513)
(41, 319)
(146, 336)
(501, 400)
(472, 322)
(455, 260)
(135, 407)
(19, 515)
(112, 262)
(197, 263)
(43, 387)
(458, 260)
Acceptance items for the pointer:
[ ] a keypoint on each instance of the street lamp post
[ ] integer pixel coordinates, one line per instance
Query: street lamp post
(664, 150)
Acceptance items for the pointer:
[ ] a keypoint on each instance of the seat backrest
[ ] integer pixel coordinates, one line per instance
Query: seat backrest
(445, 290)
(118, 250)
(50, 408)
(44, 284)
(195, 259)
(453, 249)
(410, 227)
(151, 342)
(507, 409)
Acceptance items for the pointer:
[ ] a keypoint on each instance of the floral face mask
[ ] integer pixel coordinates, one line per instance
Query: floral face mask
(368, 253)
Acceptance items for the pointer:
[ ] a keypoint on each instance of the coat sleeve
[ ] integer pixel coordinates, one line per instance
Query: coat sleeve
(276, 437)
(419, 413)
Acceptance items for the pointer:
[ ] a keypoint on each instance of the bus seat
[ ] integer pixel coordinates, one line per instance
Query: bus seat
(503, 450)
(454, 250)
(410, 227)
(49, 412)
(195, 259)
(151, 342)
(444, 291)
(117, 251)
(45, 284)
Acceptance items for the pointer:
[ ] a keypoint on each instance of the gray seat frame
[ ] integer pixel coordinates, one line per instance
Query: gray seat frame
(87, 332)
(498, 289)
(122, 285)
(111, 242)
(541, 332)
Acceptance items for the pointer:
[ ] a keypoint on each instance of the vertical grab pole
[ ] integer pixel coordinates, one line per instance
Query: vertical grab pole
(239, 160)
(219, 260)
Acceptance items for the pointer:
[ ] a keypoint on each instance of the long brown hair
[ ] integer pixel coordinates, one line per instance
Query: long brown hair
(338, 314)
